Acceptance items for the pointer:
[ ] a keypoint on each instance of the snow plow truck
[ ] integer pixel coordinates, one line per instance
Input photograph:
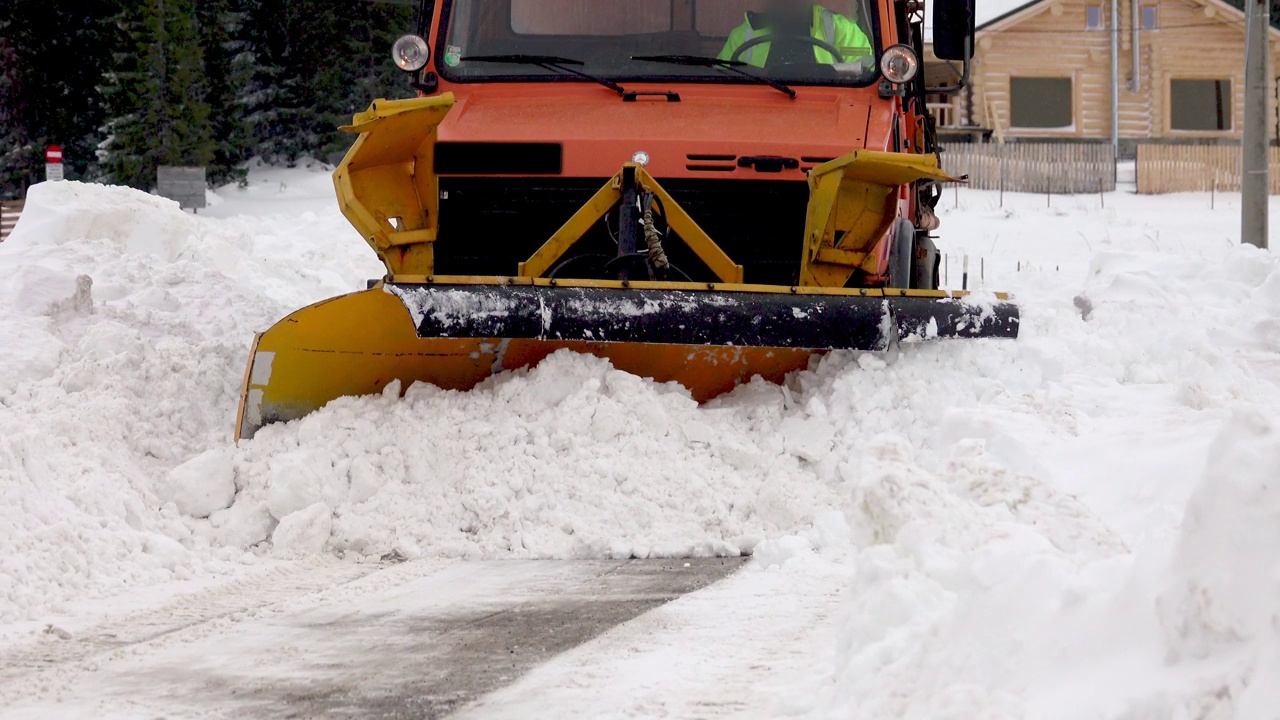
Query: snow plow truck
(700, 191)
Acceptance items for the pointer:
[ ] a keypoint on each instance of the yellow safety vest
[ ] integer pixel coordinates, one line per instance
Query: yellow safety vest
(829, 26)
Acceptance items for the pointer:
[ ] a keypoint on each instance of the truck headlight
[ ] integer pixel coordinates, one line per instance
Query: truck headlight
(899, 64)
(411, 53)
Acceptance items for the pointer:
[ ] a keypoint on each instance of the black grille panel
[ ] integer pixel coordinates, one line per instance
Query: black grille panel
(488, 225)
(477, 158)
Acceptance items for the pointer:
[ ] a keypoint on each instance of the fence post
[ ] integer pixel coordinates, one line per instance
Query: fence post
(1000, 170)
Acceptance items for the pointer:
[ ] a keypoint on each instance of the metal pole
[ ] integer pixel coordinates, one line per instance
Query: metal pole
(1115, 79)
(1255, 160)
(1136, 84)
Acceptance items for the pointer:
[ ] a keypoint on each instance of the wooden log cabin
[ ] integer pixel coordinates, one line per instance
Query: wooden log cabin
(1042, 70)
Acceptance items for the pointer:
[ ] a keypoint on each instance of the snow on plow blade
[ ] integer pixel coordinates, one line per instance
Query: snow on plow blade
(708, 339)
(648, 316)
(728, 317)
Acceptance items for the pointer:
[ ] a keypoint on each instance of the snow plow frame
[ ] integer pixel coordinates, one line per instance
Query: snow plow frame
(454, 332)
(388, 190)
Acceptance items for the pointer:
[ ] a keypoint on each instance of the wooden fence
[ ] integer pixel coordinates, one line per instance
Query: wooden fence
(1195, 168)
(1059, 168)
(9, 212)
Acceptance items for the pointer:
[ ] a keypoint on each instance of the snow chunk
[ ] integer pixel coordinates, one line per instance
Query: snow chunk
(305, 531)
(244, 524)
(170, 552)
(774, 553)
(202, 485)
(830, 529)
(808, 438)
(300, 479)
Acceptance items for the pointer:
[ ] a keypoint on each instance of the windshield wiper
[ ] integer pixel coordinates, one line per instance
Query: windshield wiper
(548, 62)
(733, 66)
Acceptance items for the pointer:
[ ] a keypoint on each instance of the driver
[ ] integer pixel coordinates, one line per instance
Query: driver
(800, 18)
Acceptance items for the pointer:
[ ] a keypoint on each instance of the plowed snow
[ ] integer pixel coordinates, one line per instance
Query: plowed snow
(1082, 523)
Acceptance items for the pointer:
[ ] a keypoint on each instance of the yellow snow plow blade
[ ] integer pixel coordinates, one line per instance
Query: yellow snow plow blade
(358, 344)
(455, 332)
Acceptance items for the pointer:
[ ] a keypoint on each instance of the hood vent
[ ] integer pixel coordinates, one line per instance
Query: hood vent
(810, 163)
(711, 163)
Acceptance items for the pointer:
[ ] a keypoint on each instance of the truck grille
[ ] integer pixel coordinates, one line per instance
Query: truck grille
(489, 225)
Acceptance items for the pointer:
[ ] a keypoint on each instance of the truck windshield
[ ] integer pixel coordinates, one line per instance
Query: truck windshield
(787, 41)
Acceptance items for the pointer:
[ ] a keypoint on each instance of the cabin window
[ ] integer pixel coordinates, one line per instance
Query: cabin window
(582, 17)
(1043, 103)
(630, 41)
(1093, 18)
(1150, 17)
(1203, 105)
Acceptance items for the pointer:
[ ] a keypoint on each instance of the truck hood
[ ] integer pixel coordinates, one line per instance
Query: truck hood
(701, 135)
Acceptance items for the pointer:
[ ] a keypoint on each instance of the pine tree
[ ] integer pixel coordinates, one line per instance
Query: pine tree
(15, 149)
(45, 99)
(370, 73)
(156, 94)
(125, 86)
(318, 62)
(228, 67)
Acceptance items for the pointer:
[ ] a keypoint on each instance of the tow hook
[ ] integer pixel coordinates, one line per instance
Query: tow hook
(768, 163)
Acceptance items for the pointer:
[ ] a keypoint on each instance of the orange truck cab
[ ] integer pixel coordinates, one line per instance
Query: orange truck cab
(553, 96)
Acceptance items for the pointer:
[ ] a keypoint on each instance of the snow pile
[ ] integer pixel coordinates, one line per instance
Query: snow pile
(1223, 604)
(571, 459)
(977, 616)
(124, 324)
(982, 590)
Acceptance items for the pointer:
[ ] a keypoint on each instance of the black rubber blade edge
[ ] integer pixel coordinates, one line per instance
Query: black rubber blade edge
(921, 318)
(677, 317)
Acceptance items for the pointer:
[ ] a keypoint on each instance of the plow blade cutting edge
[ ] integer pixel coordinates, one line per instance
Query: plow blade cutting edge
(456, 334)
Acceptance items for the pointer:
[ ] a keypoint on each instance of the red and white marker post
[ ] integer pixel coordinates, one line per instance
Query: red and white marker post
(53, 163)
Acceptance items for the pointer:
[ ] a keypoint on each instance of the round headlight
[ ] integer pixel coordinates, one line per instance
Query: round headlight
(640, 158)
(899, 64)
(410, 53)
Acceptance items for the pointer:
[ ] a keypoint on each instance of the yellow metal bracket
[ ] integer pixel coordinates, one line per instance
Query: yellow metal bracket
(853, 201)
(605, 200)
(387, 186)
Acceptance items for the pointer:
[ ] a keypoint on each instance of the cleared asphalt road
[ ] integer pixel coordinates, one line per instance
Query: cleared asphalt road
(417, 640)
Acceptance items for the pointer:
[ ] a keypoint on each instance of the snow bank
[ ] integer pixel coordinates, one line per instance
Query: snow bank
(983, 590)
(1223, 600)
(124, 324)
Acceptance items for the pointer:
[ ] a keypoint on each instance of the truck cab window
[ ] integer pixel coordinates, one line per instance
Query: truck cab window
(794, 41)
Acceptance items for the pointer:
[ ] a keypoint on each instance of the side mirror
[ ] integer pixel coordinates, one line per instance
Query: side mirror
(953, 26)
